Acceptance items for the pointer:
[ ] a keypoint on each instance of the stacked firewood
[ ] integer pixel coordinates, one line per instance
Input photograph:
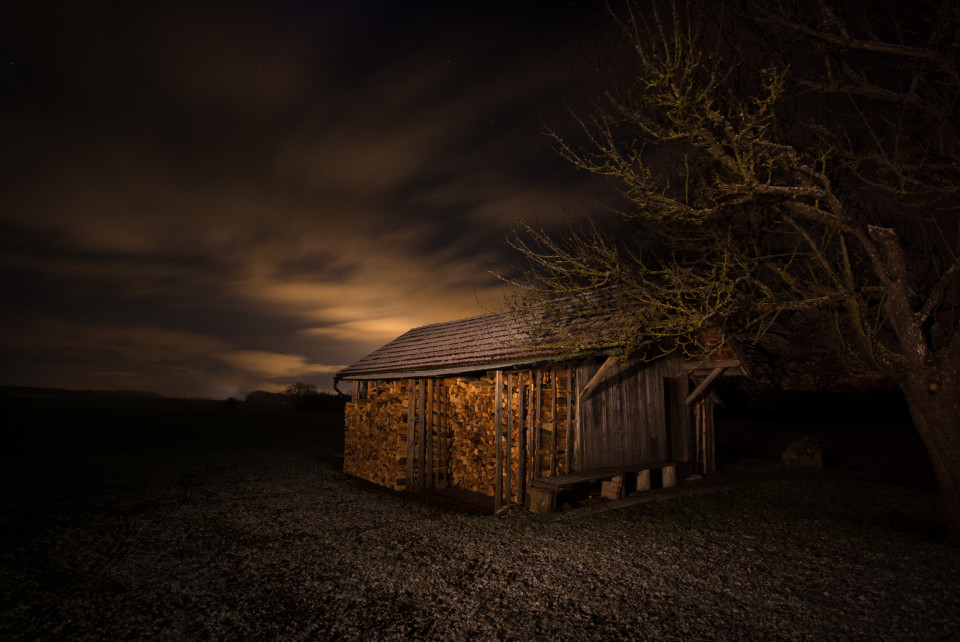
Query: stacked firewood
(375, 441)
(470, 418)
(459, 424)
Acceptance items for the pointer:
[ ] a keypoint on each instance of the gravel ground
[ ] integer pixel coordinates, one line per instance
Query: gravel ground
(262, 537)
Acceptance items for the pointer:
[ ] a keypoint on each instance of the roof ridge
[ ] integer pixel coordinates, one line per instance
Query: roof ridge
(461, 320)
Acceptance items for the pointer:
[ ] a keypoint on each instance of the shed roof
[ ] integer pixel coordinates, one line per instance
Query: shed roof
(488, 342)
(485, 342)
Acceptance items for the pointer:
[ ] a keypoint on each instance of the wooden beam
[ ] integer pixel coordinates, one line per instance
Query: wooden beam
(509, 431)
(553, 419)
(498, 431)
(538, 426)
(411, 431)
(577, 420)
(531, 427)
(421, 434)
(568, 437)
(521, 438)
(440, 479)
(595, 380)
(428, 438)
(693, 396)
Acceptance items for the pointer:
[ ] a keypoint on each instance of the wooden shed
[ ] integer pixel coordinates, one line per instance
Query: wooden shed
(468, 404)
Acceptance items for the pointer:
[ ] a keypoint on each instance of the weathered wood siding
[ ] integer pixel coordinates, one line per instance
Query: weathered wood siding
(625, 420)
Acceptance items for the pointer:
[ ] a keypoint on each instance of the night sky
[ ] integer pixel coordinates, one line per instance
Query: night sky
(207, 201)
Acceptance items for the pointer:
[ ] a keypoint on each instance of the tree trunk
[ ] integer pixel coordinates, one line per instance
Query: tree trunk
(933, 396)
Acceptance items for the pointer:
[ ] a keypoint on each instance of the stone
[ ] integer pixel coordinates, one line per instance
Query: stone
(803, 453)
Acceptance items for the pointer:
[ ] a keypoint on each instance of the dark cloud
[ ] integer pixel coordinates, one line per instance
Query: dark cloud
(203, 201)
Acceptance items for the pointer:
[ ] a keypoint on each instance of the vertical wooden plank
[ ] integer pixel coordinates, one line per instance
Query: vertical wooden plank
(429, 434)
(661, 412)
(438, 424)
(619, 436)
(711, 437)
(438, 431)
(435, 440)
(445, 431)
(421, 432)
(556, 423)
(634, 412)
(690, 425)
(356, 391)
(587, 421)
(498, 432)
(509, 445)
(538, 434)
(698, 427)
(532, 427)
(568, 437)
(411, 431)
(521, 438)
(577, 422)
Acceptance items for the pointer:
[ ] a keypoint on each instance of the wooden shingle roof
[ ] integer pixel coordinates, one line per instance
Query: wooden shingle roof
(485, 342)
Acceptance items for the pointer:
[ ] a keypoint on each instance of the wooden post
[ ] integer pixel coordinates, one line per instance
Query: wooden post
(445, 426)
(428, 431)
(540, 500)
(438, 480)
(531, 429)
(498, 432)
(643, 480)
(612, 488)
(437, 431)
(421, 431)
(521, 440)
(411, 432)
(578, 420)
(568, 438)
(710, 441)
(538, 434)
(553, 418)
(509, 444)
(669, 476)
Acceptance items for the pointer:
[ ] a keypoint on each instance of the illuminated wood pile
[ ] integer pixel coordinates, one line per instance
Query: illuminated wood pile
(442, 432)
(470, 404)
(376, 439)
(470, 418)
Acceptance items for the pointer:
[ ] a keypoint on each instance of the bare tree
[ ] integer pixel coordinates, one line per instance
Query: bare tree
(784, 159)
(299, 394)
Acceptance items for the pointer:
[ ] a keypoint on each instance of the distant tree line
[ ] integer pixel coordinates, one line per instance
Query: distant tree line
(299, 396)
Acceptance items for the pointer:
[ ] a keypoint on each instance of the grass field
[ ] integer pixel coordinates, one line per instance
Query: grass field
(166, 520)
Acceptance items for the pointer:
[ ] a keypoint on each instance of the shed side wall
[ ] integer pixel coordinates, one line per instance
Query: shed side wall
(624, 421)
